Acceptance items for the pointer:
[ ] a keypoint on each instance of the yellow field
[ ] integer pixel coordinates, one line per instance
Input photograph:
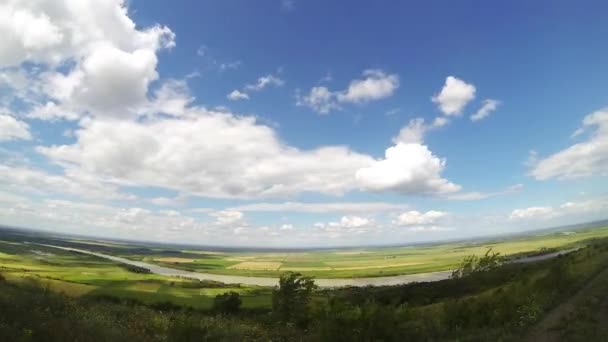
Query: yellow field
(176, 260)
(257, 265)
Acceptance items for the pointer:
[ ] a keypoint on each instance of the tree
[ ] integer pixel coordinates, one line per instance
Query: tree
(473, 264)
(229, 302)
(291, 300)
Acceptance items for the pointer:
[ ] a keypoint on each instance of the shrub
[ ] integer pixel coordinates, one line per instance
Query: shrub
(290, 301)
(229, 303)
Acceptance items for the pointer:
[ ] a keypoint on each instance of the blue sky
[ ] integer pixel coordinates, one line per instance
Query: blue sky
(302, 123)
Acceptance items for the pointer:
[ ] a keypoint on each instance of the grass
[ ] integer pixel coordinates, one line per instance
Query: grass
(81, 275)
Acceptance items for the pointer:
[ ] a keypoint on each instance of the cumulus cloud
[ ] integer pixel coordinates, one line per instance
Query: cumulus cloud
(532, 213)
(413, 132)
(346, 226)
(571, 209)
(407, 168)
(486, 109)
(209, 154)
(228, 217)
(416, 129)
(583, 159)
(415, 218)
(454, 96)
(320, 99)
(13, 129)
(236, 95)
(375, 85)
(91, 57)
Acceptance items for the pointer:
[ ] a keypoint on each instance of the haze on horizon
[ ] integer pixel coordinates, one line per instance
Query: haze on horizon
(290, 124)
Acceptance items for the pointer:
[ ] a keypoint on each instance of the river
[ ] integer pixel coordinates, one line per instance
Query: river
(267, 281)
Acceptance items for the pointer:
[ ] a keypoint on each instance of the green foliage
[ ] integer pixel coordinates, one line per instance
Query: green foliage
(473, 264)
(228, 303)
(291, 300)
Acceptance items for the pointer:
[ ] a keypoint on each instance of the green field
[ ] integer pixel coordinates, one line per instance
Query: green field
(82, 275)
(347, 263)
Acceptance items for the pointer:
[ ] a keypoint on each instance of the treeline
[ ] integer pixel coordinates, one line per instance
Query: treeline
(484, 301)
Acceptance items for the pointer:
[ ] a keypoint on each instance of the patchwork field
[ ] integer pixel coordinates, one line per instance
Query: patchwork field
(370, 262)
(81, 275)
(22, 260)
(347, 263)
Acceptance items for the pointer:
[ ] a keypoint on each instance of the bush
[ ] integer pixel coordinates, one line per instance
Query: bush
(229, 303)
(290, 301)
(474, 264)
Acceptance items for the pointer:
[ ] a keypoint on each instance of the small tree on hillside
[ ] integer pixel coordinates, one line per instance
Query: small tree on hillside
(290, 301)
(473, 264)
(229, 303)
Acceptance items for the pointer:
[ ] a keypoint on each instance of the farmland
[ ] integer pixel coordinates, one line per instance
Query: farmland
(348, 263)
(82, 275)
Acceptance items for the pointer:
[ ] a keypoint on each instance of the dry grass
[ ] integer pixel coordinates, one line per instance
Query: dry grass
(257, 265)
(176, 260)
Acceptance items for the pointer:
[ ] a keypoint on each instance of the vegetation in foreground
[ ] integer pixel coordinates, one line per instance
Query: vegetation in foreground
(499, 302)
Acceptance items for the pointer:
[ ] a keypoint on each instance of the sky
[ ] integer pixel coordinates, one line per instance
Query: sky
(292, 123)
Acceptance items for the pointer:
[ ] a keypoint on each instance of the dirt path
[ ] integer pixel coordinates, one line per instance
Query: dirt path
(545, 330)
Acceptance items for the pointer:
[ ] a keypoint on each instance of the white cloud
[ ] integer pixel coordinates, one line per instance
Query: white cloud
(454, 96)
(323, 207)
(596, 205)
(407, 168)
(13, 129)
(320, 99)
(347, 227)
(375, 85)
(415, 218)
(265, 81)
(354, 221)
(261, 83)
(103, 220)
(412, 133)
(475, 195)
(228, 217)
(532, 213)
(584, 159)
(287, 226)
(487, 107)
(209, 154)
(91, 58)
(236, 95)
(22, 179)
(416, 129)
